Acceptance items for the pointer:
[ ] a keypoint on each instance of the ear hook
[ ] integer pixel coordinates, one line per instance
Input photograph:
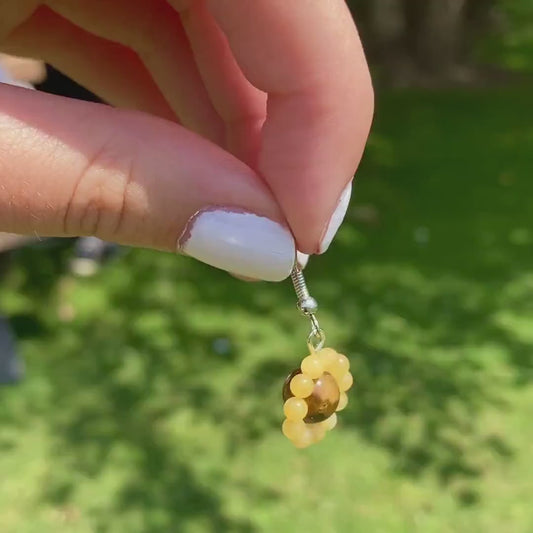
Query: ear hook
(308, 306)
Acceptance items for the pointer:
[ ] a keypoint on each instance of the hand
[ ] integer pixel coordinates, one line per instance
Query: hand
(253, 114)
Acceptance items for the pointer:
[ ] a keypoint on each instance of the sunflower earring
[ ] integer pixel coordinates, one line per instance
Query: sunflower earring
(316, 391)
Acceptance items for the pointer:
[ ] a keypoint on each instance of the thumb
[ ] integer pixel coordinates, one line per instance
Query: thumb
(76, 168)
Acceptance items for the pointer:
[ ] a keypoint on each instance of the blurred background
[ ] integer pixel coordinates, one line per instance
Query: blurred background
(151, 396)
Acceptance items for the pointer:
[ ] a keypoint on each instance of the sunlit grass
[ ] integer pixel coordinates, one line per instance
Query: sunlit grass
(152, 402)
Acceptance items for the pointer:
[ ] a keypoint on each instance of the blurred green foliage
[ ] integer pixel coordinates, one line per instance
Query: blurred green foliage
(438, 43)
(512, 45)
(152, 400)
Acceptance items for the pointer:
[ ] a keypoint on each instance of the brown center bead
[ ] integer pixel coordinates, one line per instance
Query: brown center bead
(323, 400)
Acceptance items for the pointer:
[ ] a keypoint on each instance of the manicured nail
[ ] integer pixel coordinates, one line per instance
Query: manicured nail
(240, 242)
(336, 219)
(6, 78)
(302, 259)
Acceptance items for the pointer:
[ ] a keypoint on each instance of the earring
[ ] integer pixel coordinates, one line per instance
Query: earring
(316, 391)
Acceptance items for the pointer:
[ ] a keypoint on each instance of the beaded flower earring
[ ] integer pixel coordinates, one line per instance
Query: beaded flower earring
(316, 391)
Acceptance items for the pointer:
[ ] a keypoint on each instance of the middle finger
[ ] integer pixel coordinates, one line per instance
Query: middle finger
(154, 31)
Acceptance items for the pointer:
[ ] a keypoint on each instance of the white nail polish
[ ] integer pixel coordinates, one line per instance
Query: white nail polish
(336, 219)
(240, 242)
(302, 259)
(6, 78)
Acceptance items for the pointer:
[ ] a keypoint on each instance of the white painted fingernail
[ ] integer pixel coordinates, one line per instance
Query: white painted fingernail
(302, 259)
(240, 242)
(336, 219)
(6, 78)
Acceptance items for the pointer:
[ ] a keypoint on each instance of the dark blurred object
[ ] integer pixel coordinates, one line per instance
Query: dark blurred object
(428, 42)
(90, 254)
(57, 83)
(11, 368)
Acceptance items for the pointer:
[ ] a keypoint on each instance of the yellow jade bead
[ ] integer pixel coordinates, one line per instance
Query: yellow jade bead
(312, 366)
(343, 402)
(295, 409)
(318, 432)
(327, 357)
(330, 422)
(304, 439)
(302, 386)
(346, 382)
(293, 429)
(340, 366)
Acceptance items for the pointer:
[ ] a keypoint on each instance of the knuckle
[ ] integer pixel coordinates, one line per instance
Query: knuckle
(99, 197)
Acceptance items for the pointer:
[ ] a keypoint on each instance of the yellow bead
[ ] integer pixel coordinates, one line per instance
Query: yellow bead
(340, 366)
(346, 382)
(343, 402)
(318, 431)
(330, 422)
(304, 439)
(327, 357)
(295, 409)
(302, 386)
(312, 366)
(292, 429)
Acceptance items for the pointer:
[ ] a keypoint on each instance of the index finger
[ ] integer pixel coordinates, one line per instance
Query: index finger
(307, 55)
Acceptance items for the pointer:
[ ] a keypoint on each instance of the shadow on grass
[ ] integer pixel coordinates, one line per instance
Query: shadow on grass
(167, 363)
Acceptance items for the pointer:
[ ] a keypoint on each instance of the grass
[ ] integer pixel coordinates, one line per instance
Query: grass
(152, 403)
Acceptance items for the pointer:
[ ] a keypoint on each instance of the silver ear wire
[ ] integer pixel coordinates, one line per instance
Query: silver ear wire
(308, 306)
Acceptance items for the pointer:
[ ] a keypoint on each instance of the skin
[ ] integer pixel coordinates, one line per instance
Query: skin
(260, 104)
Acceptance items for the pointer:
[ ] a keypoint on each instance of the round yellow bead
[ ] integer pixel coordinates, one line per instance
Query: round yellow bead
(343, 402)
(318, 432)
(327, 357)
(346, 382)
(330, 422)
(293, 429)
(304, 439)
(302, 385)
(312, 366)
(340, 366)
(295, 409)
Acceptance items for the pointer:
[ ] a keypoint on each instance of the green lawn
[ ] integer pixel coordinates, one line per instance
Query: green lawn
(152, 400)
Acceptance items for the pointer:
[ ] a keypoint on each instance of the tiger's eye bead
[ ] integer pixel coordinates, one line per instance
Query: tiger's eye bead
(312, 366)
(324, 399)
(295, 409)
(287, 385)
(302, 386)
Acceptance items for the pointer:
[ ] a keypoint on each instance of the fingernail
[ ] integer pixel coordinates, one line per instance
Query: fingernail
(336, 219)
(240, 242)
(302, 259)
(6, 78)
